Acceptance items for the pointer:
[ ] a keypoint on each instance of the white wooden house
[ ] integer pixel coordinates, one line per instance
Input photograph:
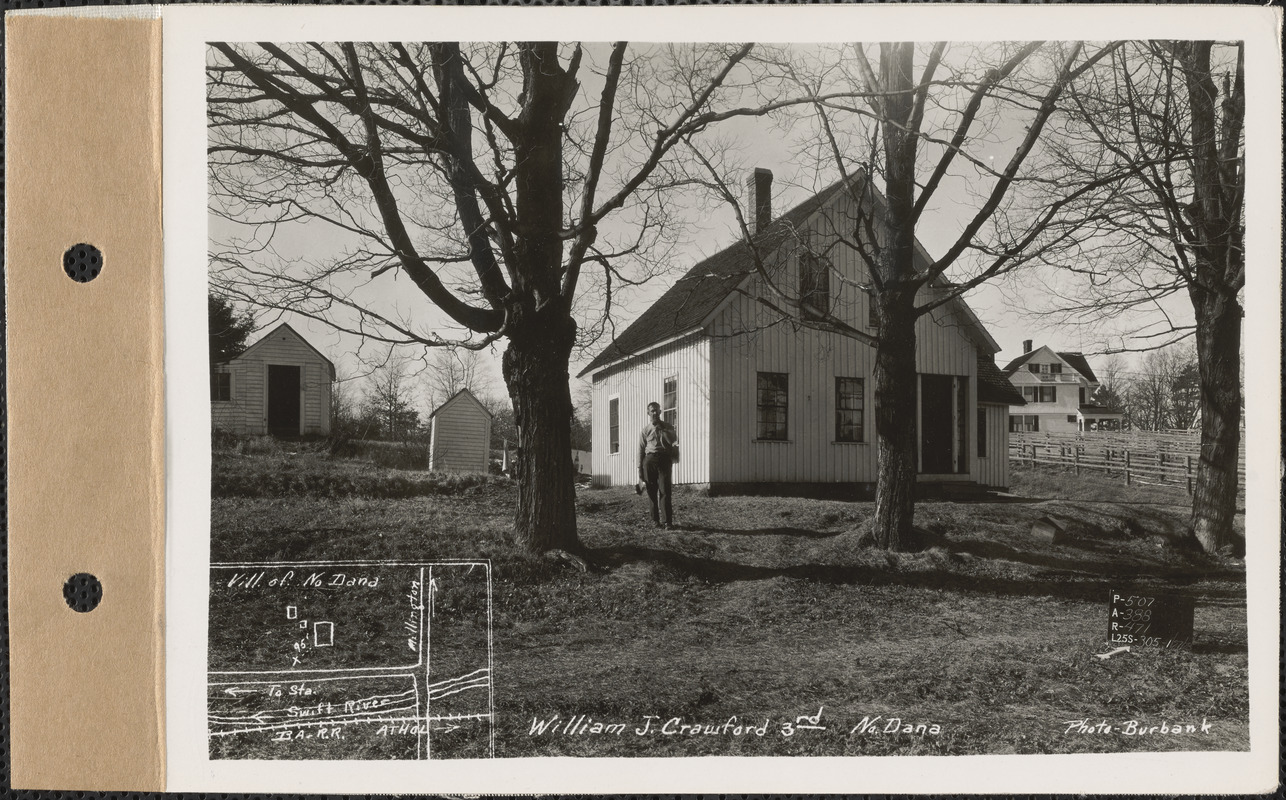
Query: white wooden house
(279, 386)
(460, 431)
(1058, 388)
(762, 404)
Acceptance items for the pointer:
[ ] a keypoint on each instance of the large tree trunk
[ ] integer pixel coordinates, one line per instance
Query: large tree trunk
(1214, 500)
(541, 330)
(1215, 217)
(535, 372)
(895, 381)
(895, 424)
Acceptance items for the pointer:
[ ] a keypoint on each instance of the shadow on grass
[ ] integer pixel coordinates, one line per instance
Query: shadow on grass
(804, 533)
(1064, 585)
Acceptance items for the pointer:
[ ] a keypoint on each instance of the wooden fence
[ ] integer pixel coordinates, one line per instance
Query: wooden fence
(1143, 457)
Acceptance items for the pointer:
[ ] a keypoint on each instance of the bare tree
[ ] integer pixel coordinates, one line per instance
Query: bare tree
(452, 369)
(486, 174)
(879, 124)
(1159, 393)
(388, 399)
(1168, 117)
(344, 411)
(1112, 385)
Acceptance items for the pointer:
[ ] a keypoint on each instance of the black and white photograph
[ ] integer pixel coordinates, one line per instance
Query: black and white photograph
(605, 399)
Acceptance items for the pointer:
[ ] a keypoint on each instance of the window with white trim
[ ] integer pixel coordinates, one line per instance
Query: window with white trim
(220, 385)
(1024, 423)
(814, 286)
(614, 425)
(670, 400)
(850, 410)
(772, 405)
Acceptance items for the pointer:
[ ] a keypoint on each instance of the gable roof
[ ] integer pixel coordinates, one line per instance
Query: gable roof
(1078, 363)
(993, 386)
(696, 295)
(688, 304)
(464, 395)
(1074, 360)
(330, 366)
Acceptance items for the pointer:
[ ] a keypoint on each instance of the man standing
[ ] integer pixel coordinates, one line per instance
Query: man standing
(657, 448)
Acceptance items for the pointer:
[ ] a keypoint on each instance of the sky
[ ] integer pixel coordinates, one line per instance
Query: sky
(1005, 308)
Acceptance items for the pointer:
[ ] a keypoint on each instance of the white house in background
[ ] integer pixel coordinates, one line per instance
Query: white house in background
(1058, 389)
(761, 404)
(460, 434)
(279, 386)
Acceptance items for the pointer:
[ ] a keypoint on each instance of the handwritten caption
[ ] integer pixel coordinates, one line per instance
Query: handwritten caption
(734, 726)
(1134, 727)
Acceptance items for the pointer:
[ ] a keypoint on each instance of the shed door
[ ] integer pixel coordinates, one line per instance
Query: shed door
(937, 425)
(283, 400)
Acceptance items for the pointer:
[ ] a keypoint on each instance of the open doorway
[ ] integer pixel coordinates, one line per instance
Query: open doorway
(283, 400)
(944, 425)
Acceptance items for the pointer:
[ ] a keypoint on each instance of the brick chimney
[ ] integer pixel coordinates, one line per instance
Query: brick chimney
(759, 199)
(1026, 346)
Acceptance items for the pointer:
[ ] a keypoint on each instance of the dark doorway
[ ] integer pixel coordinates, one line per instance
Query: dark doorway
(283, 400)
(937, 425)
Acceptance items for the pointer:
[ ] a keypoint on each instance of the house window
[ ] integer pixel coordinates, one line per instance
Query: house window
(614, 424)
(1040, 394)
(814, 286)
(221, 386)
(669, 400)
(773, 388)
(1082, 395)
(1071, 417)
(1033, 369)
(982, 433)
(849, 410)
(1024, 423)
(1056, 369)
(872, 313)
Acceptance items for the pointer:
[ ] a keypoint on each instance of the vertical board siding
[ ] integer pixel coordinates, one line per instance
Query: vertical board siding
(748, 338)
(744, 337)
(247, 412)
(994, 469)
(813, 360)
(461, 440)
(640, 382)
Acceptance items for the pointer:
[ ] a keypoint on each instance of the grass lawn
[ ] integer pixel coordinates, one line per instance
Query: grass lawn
(771, 609)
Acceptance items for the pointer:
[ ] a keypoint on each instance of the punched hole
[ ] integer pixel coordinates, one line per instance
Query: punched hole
(82, 262)
(83, 592)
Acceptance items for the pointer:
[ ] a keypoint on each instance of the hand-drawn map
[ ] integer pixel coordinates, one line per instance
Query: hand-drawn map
(354, 660)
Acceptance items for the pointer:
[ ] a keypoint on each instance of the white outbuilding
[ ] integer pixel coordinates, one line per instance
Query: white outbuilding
(460, 434)
(279, 386)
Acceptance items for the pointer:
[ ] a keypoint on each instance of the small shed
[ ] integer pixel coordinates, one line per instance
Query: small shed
(279, 386)
(460, 431)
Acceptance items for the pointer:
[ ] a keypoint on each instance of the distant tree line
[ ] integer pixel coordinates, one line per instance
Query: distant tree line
(382, 404)
(1163, 392)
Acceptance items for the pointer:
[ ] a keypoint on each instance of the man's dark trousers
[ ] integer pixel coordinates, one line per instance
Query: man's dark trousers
(657, 475)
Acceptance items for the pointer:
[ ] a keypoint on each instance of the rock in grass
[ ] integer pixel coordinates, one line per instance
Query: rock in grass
(564, 557)
(1051, 530)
